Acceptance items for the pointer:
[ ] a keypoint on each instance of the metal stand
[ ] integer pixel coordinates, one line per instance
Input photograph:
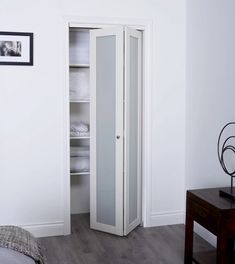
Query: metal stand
(228, 145)
(228, 192)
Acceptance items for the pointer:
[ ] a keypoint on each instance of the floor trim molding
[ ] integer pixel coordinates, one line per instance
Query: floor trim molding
(205, 234)
(167, 218)
(45, 229)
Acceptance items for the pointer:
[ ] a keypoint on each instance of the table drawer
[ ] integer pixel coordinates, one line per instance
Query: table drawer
(203, 216)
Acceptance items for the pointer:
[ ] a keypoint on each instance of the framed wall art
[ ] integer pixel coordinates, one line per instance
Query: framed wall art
(16, 48)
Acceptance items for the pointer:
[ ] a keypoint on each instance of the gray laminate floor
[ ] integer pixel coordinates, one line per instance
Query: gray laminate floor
(155, 245)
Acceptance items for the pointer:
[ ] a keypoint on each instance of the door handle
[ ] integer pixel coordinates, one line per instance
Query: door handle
(117, 137)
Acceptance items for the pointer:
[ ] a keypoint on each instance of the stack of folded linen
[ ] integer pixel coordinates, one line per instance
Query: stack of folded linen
(79, 84)
(79, 159)
(79, 130)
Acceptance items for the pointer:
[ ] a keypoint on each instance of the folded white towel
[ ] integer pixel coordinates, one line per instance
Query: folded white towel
(79, 127)
(79, 134)
(79, 164)
(79, 83)
(79, 151)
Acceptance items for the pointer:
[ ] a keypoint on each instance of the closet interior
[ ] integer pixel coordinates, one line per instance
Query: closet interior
(79, 94)
(105, 82)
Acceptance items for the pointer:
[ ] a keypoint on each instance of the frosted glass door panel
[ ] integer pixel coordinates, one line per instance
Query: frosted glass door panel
(106, 71)
(132, 176)
(105, 128)
(133, 130)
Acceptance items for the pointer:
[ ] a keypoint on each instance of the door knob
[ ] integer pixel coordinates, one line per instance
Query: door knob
(118, 137)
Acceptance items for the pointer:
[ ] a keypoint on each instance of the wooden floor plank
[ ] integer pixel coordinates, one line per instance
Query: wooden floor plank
(155, 245)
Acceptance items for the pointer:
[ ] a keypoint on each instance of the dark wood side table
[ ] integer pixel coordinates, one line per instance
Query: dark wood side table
(217, 215)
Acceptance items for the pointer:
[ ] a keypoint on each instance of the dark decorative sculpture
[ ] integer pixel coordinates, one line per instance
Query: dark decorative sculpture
(222, 148)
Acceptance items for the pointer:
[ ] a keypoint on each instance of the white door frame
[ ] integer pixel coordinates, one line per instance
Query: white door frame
(147, 27)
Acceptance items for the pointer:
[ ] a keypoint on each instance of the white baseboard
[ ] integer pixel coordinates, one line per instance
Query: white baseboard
(178, 217)
(205, 234)
(167, 218)
(46, 229)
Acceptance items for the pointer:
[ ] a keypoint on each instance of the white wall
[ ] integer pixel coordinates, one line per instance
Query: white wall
(210, 89)
(31, 111)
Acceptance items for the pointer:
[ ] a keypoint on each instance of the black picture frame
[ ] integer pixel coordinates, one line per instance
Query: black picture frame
(26, 48)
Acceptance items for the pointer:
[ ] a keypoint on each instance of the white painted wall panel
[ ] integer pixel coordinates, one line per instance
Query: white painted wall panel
(210, 88)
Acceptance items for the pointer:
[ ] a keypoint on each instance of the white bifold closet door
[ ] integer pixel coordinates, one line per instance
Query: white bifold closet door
(132, 136)
(115, 130)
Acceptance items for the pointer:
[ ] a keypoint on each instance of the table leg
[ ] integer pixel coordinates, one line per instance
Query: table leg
(221, 252)
(188, 249)
(230, 249)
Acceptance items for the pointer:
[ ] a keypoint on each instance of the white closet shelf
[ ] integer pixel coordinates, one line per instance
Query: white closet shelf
(79, 137)
(80, 173)
(79, 65)
(79, 101)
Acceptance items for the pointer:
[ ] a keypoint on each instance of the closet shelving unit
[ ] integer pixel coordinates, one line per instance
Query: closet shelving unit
(85, 137)
(79, 71)
(79, 66)
(79, 101)
(80, 173)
